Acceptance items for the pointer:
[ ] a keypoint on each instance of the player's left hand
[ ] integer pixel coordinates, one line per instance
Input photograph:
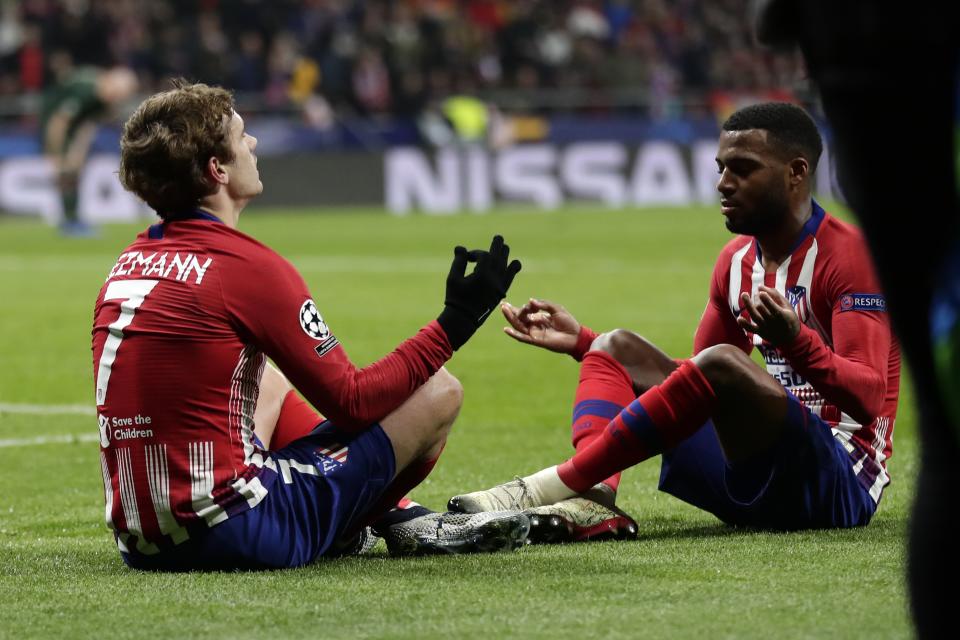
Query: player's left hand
(771, 316)
(470, 298)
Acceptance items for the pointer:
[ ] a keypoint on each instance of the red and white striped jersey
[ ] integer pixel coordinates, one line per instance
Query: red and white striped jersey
(182, 329)
(844, 364)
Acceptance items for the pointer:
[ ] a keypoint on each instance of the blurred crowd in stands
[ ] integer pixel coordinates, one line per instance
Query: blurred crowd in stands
(658, 58)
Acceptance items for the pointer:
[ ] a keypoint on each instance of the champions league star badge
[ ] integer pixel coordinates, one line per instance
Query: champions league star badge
(312, 322)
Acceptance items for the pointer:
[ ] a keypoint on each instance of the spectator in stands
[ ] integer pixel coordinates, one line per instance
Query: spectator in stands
(366, 52)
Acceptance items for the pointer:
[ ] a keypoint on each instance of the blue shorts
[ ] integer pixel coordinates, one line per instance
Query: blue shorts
(315, 497)
(805, 481)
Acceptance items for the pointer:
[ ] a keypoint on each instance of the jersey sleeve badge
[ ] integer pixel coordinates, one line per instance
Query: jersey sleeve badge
(313, 325)
(863, 302)
(312, 322)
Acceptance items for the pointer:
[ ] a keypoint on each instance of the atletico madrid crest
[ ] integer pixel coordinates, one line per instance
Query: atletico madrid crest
(797, 297)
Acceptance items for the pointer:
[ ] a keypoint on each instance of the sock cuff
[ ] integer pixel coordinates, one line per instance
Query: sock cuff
(696, 383)
(601, 365)
(685, 400)
(571, 476)
(548, 487)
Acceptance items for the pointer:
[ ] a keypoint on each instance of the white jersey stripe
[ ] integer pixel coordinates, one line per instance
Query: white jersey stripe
(805, 277)
(236, 403)
(253, 491)
(757, 278)
(201, 483)
(883, 479)
(781, 281)
(128, 501)
(805, 280)
(857, 468)
(244, 389)
(258, 363)
(736, 274)
(107, 490)
(158, 477)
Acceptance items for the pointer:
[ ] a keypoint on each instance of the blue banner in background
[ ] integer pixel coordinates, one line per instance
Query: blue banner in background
(278, 136)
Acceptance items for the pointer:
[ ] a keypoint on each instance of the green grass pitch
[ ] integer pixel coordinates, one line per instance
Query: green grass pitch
(377, 279)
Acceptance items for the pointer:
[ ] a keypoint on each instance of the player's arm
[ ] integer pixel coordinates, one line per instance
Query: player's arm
(853, 375)
(277, 313)
(717, 324)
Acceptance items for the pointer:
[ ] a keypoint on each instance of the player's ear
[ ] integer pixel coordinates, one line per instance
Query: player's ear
(215, 171)
(799, 170)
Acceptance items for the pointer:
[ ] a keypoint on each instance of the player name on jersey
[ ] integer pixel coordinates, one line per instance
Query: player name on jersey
(162, 265)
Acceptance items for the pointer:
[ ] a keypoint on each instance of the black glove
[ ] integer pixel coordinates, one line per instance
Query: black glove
(471, 298)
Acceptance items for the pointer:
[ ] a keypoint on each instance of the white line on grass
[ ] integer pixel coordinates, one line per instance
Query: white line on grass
(47, 409)
(65, 439)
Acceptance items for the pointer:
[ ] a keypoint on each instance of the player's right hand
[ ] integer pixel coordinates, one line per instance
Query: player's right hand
(471, 297)
(771, 316)
(543, 324)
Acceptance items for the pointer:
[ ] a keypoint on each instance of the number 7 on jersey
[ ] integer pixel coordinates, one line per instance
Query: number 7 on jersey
(132, 293)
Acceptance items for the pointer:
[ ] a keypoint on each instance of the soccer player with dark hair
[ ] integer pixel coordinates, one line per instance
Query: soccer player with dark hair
(209, 459)
(802, 444)
(881, 65)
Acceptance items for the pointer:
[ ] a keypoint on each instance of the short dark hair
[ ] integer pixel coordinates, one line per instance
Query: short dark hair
(167, 142)
(792, 129)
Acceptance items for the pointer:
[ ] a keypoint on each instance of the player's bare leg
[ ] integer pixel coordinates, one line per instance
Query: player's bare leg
(418, 431)
(751, 404)
(274, 388)
(629, 365)
(747, 405)
(647, 365)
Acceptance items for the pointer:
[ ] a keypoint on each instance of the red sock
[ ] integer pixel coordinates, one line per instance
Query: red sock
(605, 389)
(297, 419)
(658, 420)
(404, 481)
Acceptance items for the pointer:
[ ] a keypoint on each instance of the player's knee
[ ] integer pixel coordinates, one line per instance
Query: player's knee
(446, 398)
(623, 345)
(723, 365)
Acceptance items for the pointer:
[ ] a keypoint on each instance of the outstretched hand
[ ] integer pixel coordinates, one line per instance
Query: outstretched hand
(771, 316)
(543, 324)
(471, 297)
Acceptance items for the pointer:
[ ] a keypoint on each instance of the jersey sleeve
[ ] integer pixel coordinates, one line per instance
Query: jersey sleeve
(271, 306)
(852, 375)
(717, 324)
